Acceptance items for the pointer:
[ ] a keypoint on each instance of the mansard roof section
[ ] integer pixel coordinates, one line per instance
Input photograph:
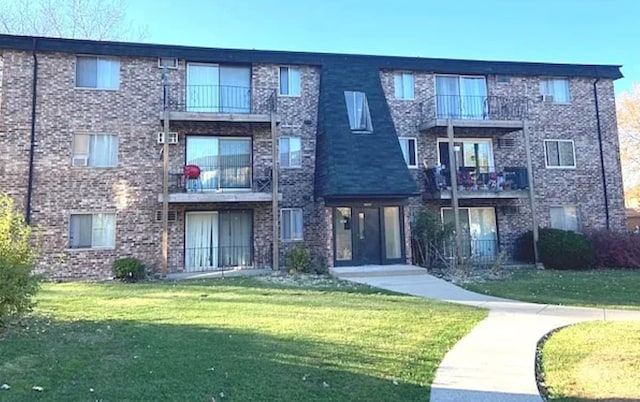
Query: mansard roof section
(203, 54)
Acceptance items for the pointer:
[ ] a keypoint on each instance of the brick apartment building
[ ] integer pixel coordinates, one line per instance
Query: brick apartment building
(362, 141)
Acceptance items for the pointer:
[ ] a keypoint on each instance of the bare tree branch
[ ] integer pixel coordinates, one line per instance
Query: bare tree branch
(80, 19)
(628, 113)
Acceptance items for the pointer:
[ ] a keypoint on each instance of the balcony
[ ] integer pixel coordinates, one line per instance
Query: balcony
(499, 113)
(478, 183)
(219, 103)
(222, 183)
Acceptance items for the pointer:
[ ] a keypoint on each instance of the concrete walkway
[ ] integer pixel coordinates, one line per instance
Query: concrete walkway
(496, 360)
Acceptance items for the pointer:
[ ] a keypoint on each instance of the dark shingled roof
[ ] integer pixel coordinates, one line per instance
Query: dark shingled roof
(350, 165)
(203, 54)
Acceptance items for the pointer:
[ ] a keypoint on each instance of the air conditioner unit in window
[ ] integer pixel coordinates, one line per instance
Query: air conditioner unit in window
(546, 98)
(173, 137)
(80, 160)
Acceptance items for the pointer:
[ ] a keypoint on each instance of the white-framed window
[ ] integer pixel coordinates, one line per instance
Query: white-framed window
(358, 111)
(555, 90)
(289, 81)
(559, 154)
(92, 230)
(95, 150)
(290, 152)
(403, 83)
(409, 148)
(97, 72)
(564, 217)
(291, 224)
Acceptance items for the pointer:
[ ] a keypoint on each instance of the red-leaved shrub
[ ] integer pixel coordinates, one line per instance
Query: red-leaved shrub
(616, 250)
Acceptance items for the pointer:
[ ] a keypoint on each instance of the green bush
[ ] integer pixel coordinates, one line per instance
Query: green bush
(429, 237)
(562, 249)
(299, 260)
(128, 268)
(18, 284)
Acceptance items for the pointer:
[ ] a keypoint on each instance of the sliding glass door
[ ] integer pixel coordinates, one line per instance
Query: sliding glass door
(479, 230)
(218, 88)
(217, 239)
(225, 163)
(461, 97)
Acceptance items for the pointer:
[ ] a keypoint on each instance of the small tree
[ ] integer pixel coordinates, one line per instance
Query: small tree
(17, 257)
(430, 238)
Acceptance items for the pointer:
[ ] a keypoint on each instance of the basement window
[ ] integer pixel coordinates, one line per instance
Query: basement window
(358, 110)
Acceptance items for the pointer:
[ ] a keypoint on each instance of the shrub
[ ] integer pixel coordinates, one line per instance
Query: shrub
(18, 284)
(299, 260)
(523, 250)
(428, 238)
(562, 249)
(616, 250)
(128, 268)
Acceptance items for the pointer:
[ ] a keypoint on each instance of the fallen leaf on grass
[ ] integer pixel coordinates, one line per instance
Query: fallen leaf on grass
(37, 388)
(5, 386)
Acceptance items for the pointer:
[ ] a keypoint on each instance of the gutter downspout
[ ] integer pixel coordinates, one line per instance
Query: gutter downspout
(602, 168)
(33, 133)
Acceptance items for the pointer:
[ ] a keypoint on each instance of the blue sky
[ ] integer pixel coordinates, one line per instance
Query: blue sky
(569, 31)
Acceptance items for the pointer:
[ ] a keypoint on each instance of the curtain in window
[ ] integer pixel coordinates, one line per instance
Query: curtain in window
(284, 152)
(235, 239)
(558, 88)
(203, 88)
(295, 151)
(103, 230)
(565, 152)
(294, 81)
(408, 147)
(473, 95)
(80, 231)
(108, 73)
(564, 218)
(403, 84)
(235, 163)
(86, 72)
(235, 89)
(447, 97)
(296, 219)
(201, 241)
(103, 150)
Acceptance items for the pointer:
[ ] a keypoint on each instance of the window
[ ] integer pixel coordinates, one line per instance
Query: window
(95, 150)
(559, 154)
(409, 151)
(291, 224)
(358, 110)
(290, 152)
(92, 231)
(404, 85)
(224, 162)
(168, 62)
(555, 88)
(461, 97)
(290, 81)
(564, 217)
(97, 72)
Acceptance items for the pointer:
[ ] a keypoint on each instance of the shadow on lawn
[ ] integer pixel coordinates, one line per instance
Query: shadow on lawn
(123, 360)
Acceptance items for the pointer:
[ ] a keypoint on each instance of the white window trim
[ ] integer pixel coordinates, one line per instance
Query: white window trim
(563, 206)
(293, 239)
(73, 155)
(417, 165)
(280, 148)
(566, 167)
(289, 80)
(174, 67)
(115, 229)
(555, 102)
(402, 73)
(492, 163)
(75, 73)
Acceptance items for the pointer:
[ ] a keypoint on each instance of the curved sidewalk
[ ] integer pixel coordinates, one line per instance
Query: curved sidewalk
(496, 360)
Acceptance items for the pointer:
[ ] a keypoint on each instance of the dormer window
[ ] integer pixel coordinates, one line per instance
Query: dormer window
(358, 110)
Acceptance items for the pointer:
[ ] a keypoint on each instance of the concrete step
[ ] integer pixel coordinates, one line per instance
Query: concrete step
(377, 270)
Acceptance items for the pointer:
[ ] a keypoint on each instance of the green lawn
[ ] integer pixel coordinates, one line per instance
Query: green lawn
(593, 361)
(235, 339)
(599, 288)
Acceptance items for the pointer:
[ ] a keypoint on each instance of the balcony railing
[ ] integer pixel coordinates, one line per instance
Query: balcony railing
(477, 179)
(472, 249)
(219, 99)
(223, 176)
(220, 258)
(460, 107)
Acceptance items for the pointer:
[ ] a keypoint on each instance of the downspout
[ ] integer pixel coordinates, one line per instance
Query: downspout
(602, 168)
(33, 133)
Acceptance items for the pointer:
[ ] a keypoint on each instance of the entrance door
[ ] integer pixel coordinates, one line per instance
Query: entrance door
(367, 236)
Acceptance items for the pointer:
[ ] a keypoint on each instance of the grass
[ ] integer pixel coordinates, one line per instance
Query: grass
(593, 361)
(235, 339)
(599, 288)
